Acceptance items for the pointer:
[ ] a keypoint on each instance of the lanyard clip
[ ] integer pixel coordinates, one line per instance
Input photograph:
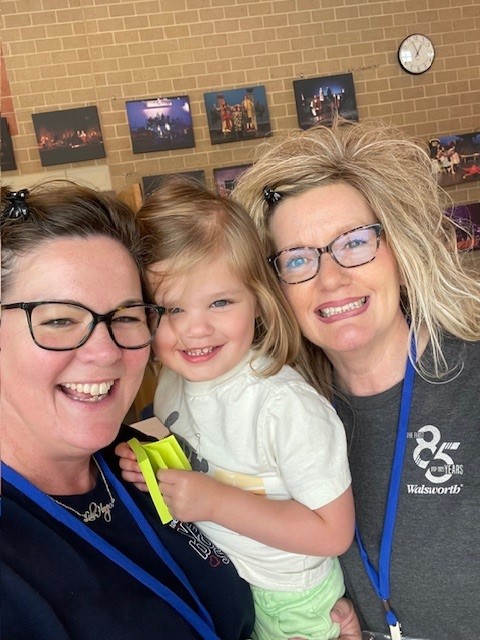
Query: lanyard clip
(393, 624)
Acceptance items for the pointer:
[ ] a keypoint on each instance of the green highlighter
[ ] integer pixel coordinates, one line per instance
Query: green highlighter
(152, 456)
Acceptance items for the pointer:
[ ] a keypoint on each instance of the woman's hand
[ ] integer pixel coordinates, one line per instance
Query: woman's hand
(129, 466)
(344, 614)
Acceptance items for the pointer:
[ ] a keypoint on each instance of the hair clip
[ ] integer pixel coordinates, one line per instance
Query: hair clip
(16, 207)
(272, 196)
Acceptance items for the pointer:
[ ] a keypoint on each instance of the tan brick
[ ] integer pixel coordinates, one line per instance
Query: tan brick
(70, 15)
(169, 47)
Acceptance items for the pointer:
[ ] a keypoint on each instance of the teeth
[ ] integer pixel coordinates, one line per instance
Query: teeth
(333, 311)
(199, 352)
(95, 389)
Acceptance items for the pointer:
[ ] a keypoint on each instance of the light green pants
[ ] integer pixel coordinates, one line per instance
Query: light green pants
(280, 615)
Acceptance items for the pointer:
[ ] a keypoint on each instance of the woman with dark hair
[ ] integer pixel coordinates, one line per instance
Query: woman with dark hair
(83, 554)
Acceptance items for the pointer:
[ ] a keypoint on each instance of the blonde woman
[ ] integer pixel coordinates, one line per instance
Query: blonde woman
(275, 489)
(352, 219)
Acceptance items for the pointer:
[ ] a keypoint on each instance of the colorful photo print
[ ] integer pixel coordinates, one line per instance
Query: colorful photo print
(320, 100)
(467, 216)
(72, 135)
(225, 178)
(7, 158)
(160, 124)
(456, 158)
(237, 114)
(152, 183)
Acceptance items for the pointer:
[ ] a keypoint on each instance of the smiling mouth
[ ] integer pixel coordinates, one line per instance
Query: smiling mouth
(86, 391)
(328, 312)
(199, 352)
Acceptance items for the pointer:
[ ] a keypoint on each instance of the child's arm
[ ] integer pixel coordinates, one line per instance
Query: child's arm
(283, 524)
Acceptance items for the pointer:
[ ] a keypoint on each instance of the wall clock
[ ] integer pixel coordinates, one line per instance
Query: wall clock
(416, 53)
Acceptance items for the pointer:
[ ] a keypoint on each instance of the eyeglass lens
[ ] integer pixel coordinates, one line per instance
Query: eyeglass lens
(58, 325)
(351, 249)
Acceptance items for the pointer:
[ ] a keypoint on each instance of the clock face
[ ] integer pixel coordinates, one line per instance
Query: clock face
(416, 53)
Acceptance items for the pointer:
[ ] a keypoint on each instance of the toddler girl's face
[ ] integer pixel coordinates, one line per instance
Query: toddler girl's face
(210, 321)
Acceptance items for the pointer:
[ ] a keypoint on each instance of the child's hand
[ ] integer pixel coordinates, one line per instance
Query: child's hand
(129, 466)
(189, 495)
(344, 613)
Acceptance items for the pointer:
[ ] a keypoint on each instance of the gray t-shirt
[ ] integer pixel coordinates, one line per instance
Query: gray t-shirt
(435, 563)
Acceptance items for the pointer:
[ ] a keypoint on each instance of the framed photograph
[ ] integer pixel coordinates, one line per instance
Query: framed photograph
(456, 158)
(467, 216)
(72, 135)
(320, 100)
(225, 178)
(160, 124)
(152, 183)
(237, 114)
(7, 157)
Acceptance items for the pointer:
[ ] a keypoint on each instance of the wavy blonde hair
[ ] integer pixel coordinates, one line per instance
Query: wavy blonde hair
(186, 224)
(394, 174)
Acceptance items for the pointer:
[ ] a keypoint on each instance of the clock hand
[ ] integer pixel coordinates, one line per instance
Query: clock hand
(418, 50)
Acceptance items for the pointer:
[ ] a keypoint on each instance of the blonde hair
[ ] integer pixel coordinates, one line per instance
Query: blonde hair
(185, 224)
(394, 174)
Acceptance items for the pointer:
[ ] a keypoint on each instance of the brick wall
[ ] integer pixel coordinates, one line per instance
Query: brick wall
(61, 54)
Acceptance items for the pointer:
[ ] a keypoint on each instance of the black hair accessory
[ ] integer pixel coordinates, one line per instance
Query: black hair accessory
(272, 196)
(16, 207)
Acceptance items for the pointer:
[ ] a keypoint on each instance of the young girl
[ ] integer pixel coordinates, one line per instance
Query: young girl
(274, 489)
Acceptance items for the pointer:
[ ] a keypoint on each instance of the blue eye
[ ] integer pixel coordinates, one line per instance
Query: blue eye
(354, 243)
(218, 304)
(296, 262)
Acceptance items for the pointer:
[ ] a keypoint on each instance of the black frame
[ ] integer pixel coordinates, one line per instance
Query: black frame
(154, 182)
(160, 124)
(72, 135)
(456, 158)
(320, 100)
(225, 178)
(467, 216)
(7, 155)
(235, 115)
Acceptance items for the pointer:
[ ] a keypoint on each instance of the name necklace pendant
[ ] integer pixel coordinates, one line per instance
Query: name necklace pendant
(95, 509)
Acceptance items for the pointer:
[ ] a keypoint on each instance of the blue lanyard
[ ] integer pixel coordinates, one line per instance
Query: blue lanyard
(201, 623)
(381, 579)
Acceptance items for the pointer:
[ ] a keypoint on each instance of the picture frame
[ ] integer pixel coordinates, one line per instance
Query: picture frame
(467, 216)
(455, 158)
(154, 182)
(320, 100)
(225, 178)
(71, 135)
(7, 160)
(160, 124)
(236, 115)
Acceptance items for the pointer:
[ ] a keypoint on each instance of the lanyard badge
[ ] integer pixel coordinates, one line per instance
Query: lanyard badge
(381, 579)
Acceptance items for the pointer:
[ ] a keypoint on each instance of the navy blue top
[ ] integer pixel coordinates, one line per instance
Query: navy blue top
(55, 586)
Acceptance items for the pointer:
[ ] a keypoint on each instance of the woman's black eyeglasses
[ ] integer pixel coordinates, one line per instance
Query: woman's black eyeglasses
(63, 326)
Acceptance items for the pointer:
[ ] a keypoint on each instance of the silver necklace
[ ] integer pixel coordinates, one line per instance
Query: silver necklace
(95, 509)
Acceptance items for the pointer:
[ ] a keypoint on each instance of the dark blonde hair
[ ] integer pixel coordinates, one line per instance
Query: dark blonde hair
(63, 209)
(394, 174)
(185, 224)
